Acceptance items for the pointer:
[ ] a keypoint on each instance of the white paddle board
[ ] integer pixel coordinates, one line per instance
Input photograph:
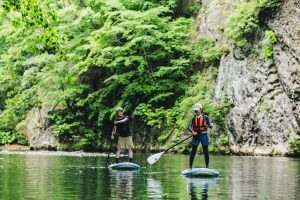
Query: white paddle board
(124, 166)
(200, 172)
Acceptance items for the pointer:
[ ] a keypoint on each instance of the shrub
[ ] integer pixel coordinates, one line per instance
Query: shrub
(245, 20)
(294, 145)
(191, 11)
(270, 40)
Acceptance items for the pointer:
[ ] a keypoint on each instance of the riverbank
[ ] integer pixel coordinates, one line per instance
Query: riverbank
(55, 153)
(15, 147)
(22, 149)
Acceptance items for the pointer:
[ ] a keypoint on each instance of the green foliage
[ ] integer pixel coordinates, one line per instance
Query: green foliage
(33, 16)
(270, 40)
(145, 57)
(85, 59)
(271, 37)
(25, 53)
(245, 20)
(294, 145)
(163, 137)
(268, 50)
(20, 138)
(71, 128)
(84, 62)
(15, 111)
(152, 117)
(224, 140)
(142, 5)
(32, 72)
(207, 50)
(6, 138)
(191, 11)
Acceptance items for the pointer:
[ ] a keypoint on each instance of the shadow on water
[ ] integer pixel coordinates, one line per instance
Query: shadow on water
(198, 187)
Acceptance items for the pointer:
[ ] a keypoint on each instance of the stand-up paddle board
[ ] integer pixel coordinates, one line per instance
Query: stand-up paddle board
(124, 166)
(200, 172)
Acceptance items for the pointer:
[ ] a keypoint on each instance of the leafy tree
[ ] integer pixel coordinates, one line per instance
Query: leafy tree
(85, 58)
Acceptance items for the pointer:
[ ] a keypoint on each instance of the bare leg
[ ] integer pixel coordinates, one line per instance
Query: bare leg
(130, 154)
(118, 155)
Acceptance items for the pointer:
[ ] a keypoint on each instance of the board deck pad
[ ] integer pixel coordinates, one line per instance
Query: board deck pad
(124, 166)
(200, 172)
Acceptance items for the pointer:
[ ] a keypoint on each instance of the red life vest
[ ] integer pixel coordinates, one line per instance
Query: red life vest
(199, 124)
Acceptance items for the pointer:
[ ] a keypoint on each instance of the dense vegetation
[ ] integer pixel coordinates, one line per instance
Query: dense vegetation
(82, 59)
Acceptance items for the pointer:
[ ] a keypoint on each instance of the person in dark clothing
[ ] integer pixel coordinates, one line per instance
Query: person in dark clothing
(122, 129)
(198, 126)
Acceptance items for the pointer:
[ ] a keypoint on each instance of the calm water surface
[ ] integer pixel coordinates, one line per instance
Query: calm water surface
(79, 177)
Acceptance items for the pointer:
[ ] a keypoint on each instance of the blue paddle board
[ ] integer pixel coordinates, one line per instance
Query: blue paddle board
(200, 172)
(124, 166)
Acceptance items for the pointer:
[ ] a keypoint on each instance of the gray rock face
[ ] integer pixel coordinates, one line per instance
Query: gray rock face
(37, 129)
(211, 19)
(286, 25)
(261, 120)
(264, 93)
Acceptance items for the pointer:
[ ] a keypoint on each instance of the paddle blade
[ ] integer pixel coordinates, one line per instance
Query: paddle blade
(152, 159)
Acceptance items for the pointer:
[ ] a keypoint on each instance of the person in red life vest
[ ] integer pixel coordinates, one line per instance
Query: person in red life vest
(122, 129)
(198, 126)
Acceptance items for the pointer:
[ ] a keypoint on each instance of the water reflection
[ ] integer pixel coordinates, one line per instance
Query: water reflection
(198, 187)
(263, 178)
(123, 184)
(154, 189)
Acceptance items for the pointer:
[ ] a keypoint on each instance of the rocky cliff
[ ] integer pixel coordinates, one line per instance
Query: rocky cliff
(37, 130)
(264, 92)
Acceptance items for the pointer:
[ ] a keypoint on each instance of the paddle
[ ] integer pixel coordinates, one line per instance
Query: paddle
(152, 159)
(111, 141)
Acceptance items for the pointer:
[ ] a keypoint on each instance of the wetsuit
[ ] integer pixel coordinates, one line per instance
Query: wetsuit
(201, 136)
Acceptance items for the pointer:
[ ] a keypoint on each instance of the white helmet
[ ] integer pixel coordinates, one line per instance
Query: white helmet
(197, 106)
(119, 109)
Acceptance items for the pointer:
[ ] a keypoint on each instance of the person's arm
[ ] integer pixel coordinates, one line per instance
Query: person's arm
(207, 121)
(122, 121)
(113, 132)
(190, 128)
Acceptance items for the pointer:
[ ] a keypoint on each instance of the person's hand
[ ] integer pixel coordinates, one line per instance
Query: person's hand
(112, 137)
(194, 133)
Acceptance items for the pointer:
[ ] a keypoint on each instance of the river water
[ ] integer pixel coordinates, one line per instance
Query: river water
(44, 176)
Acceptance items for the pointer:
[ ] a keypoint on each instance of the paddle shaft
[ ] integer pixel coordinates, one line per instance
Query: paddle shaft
(178, 143)
(111, 142)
